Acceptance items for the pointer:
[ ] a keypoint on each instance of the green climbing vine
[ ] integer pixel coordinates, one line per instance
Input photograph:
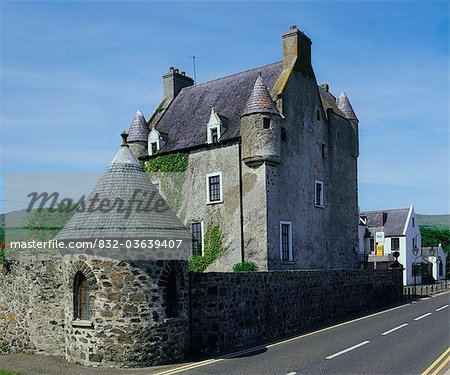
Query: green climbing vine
(169, 170)
(176, 162)
(212, 248)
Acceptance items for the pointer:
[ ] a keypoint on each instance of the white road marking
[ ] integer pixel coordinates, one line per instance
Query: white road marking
(347, 350)
(442, 308)
(291, 373)
(394, 329)
(422, 316)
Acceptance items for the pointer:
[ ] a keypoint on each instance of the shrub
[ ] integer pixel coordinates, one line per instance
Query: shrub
(245, 267)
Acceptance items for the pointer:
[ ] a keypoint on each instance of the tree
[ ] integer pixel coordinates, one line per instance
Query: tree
(434, 237)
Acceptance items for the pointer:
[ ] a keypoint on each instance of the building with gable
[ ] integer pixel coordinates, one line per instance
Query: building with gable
(272, 161)
(398, 231)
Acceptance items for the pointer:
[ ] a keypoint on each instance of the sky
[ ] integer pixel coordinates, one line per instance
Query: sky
(73, 75)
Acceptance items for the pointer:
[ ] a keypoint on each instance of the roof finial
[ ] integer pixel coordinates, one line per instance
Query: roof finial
(124, 136)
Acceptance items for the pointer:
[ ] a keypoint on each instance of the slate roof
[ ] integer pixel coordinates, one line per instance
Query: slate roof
(121, 179)
(394, 225)
(344, 105)
(329, 101)
(426, 251)
(259, 100)
(138, 129)
(186, 118)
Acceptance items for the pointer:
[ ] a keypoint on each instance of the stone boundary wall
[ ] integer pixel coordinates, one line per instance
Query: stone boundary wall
(31, 308)
(232, 310)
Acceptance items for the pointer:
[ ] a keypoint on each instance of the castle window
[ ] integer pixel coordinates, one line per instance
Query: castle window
(286, 241)
(324, 150)
(441, 268)
(266, 123)
(318, 200)
(318, 115)
(413, 222)
(154, 148)
(283, 134)
(338, 134)
(197, 238)
(81, 305)
(214, 135)
(214, 187)
(171, 295)
(395, 244)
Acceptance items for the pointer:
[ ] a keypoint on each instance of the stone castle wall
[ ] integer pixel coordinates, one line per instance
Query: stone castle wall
(232, 310)
(128, 322)
(127, 325)
(31, 312)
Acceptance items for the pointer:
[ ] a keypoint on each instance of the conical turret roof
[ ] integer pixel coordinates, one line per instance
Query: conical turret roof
(259, 100)
(124, 181)
(139, 129)
(344, 105)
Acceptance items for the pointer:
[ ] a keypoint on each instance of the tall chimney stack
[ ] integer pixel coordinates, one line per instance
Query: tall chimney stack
(174, 81)
(296, 48)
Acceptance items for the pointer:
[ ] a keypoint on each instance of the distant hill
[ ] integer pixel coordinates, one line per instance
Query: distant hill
(13, 218)
(434, 221)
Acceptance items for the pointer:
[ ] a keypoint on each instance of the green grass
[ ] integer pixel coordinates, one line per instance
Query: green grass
(3, 372)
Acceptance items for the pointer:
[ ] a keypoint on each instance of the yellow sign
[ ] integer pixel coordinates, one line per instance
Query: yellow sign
(380, 250)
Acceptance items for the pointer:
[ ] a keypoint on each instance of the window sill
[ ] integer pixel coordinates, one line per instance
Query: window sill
(319, 206)
(82, 323)
(287, 262)
(173, 320)
(214, 202)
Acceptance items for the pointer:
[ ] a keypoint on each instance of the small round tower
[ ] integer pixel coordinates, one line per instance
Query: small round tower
(138, 135)
(344, 105)
(260, 127)
(125, 300)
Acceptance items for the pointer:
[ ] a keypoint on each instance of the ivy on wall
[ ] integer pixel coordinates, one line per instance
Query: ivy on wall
(176, 162)
(169, 170)
(212, 248)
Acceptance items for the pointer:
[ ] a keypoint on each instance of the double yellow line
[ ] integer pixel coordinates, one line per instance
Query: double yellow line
(439, 365)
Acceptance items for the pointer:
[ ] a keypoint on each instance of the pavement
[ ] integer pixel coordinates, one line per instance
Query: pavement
(409, 339)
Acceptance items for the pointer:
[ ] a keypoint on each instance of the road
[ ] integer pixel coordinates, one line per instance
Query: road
(404, 340)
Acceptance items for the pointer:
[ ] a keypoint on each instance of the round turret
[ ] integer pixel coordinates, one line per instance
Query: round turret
(260, 127)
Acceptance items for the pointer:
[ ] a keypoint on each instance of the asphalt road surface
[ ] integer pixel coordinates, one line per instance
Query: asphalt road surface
(404, 340)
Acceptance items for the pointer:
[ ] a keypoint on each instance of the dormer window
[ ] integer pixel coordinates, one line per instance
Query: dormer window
(216, 127)
(155, 142)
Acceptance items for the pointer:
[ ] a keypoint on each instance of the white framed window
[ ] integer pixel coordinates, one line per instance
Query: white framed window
(318, 193)
(286, 241)
(214, 188)
(197, 237)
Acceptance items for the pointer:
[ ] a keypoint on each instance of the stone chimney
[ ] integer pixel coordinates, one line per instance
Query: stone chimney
(296, 48)
(174, 81)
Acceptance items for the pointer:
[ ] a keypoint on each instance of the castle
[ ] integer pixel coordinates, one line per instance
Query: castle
(265, 155)
(272, 160)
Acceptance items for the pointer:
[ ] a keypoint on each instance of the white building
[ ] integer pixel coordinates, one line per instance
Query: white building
(381, 233)
(435, 257)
